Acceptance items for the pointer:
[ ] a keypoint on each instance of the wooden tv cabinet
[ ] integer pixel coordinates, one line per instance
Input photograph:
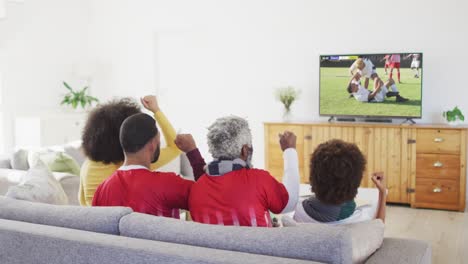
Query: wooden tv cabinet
(424, 164)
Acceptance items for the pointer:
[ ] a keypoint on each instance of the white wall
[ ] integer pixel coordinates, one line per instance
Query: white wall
(41, 43)
(207, 58)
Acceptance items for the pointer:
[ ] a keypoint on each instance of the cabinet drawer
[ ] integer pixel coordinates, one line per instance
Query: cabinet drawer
(438, 141)
(438, 166)
(437, 191)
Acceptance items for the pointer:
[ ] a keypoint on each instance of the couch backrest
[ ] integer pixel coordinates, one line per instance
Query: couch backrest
(96, 219)
(316, 242)
(40, 244)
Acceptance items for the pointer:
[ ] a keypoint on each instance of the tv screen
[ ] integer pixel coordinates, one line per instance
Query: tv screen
(371, 85)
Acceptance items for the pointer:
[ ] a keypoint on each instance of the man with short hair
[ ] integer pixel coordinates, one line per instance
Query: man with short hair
(133, 184)
(232, 192)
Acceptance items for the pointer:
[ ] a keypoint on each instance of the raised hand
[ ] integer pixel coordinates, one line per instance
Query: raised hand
(379, 180)
(151, 103)
(185, 142)
(287, 140)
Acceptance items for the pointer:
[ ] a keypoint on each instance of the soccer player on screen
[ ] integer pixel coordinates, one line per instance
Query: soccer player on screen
(415, 63)
(395, 64)
(387, 62)
(379, 93)
(364, 67)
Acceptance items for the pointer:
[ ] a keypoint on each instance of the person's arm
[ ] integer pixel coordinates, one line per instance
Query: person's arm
(374, 93)
(291, 170)
(352, 68)
(379, 180)
(171, 151)
(186, 143)
(366, 83)
(178, 195)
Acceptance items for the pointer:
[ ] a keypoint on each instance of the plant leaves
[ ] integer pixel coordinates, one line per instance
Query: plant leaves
(78, 98)
(67, 86)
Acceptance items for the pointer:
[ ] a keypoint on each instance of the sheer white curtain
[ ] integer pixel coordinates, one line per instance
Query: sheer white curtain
(2, 145)
(2, 8)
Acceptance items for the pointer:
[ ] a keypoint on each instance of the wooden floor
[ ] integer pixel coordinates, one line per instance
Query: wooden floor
(446, 231)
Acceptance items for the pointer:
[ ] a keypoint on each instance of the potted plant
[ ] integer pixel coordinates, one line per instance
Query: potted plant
(287, 96)
(78, 98)
(454, 117)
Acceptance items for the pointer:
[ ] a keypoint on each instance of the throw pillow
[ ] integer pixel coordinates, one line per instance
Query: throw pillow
(75, 150)
(55, 161)
(19, 160)
(39, 185)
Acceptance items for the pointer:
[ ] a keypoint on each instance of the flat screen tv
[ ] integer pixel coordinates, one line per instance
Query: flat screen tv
(371, 85)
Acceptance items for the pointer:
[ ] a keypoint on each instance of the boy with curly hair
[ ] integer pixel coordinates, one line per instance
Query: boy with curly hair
(336, 170)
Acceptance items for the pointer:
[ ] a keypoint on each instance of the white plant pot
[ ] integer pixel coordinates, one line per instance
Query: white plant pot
(455, 123)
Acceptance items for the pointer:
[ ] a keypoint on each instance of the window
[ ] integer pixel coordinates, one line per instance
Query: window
(2, 139)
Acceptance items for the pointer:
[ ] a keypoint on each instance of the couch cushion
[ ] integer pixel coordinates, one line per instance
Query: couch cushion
(314, 242)
(402, 251)
(75, 150)
(366, 236)
(96, 219)
(71, 186)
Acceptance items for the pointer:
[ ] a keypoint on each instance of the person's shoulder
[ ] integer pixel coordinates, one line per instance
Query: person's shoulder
(168, 175)
(260, 173)
(165, 174)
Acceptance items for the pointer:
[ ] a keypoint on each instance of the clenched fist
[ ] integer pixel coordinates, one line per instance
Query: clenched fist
(150, 102)
(379, 180)
(287, 140)
(185, 142)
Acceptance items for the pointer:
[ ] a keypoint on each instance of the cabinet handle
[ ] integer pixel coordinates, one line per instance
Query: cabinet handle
(438, 164)
(437, 190)
(438, 140)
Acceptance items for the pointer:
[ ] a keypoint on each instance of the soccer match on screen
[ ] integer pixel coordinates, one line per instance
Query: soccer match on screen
(371, 85)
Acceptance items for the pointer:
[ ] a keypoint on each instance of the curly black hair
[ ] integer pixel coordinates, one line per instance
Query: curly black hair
(101, 132)
(336, 170)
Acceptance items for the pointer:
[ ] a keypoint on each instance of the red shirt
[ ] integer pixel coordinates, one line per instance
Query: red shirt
(148, 192)
(242, 197)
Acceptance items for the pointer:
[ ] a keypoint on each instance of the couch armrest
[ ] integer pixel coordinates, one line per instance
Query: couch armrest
(403, 251)
(5, 162)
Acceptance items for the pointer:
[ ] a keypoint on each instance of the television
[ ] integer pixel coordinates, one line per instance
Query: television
(387, 85)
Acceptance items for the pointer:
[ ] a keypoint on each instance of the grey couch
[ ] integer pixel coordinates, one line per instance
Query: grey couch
(41, 233)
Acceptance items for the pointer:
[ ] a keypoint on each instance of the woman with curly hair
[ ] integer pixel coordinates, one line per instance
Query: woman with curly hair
(102, 146)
